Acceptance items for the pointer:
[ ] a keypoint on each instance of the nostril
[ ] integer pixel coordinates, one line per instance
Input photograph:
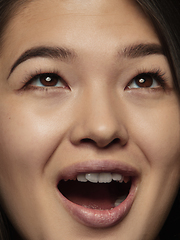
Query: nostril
(103, 144)
(87, 140)
(115, 141)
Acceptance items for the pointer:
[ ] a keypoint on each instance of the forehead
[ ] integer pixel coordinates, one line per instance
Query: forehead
(80, 24)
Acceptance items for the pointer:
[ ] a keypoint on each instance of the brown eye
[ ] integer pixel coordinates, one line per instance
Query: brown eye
(143, 81)
(48, 80)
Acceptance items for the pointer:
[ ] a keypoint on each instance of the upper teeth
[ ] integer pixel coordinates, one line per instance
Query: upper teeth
(100, 177)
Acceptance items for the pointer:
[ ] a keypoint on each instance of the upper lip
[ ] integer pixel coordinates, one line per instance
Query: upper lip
(91, 166)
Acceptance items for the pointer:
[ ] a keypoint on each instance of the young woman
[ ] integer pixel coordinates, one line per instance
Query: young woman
(89, 119)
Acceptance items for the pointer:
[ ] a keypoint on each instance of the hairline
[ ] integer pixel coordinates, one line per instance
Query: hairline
(14, 10)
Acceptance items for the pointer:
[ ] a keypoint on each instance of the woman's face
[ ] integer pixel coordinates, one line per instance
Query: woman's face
(86, 93)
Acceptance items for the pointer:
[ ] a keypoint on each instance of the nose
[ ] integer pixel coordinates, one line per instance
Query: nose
(99, 122)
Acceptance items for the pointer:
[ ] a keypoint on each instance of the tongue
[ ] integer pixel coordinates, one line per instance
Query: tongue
(91, 195)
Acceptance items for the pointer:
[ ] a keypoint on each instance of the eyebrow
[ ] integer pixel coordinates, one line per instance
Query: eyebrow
(66, 54)
(142, 50)
(60, 53)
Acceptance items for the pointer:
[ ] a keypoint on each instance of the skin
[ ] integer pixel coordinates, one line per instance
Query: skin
(42, 129)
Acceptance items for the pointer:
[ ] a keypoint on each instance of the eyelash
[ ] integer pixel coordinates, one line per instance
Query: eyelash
(33, 76)
(155, 74)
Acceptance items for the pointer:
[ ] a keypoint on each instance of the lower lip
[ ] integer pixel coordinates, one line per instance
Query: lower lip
(100, 218)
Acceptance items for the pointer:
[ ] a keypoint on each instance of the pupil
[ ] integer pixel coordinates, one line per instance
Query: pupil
(144, 81)
(49, 80)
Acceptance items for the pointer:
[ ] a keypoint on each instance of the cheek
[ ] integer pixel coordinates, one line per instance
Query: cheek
(29, 138)
(157, 134)
(27, 142)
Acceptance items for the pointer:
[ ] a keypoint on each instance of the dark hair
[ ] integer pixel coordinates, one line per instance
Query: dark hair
(166, 18)
(7, 231)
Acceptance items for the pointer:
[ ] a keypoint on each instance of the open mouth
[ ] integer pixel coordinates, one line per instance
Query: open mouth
(102, 191)
(98, 194)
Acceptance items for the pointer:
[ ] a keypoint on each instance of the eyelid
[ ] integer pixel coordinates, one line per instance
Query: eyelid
(156, 74)
(32, 76)
(38, 77)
